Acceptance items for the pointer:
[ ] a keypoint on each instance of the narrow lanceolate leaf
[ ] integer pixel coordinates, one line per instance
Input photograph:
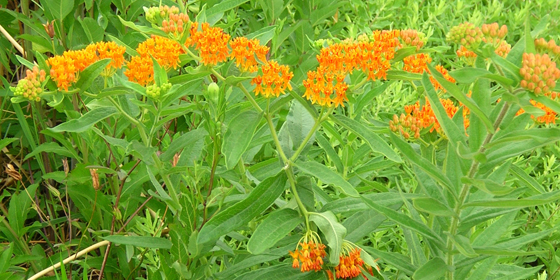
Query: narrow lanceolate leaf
(422, 163)
(449, 127)
(432, 206)
(275, 227)
(405, 221)
(432, 270)
(91, 73)
(516, 203)
(327, 176)
(463, 244)
(6, 141)
(244, 211)
(188, 140)
(459, 95)
(334, 232)
(375, 142)
(238, 136)
(20, 204)
(140, 241)
(86, 121)
(483, 269)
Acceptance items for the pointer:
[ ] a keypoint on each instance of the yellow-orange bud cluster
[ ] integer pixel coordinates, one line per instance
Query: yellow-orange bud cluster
(31, 86)
(543, 46)
(539, 73)
(412, 38)
(466, 34)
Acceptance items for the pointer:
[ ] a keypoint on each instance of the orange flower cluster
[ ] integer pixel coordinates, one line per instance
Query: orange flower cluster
(310, 256)
(244, 51)
(445, 74)
(30, 87)
(371, 55)
(411, 38)
(470, 37)
(539, 73)
(543, 46)
(420, 117)
(548, 118)
(351, 265)
(141, 68)
(417, 63)
(211, 42)
(65, 68)
(165, 51)
(275, 79)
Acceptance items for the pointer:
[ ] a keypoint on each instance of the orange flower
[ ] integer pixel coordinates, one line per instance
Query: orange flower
(445, 74)
(417, 63)
(275, 79)
(350, 264)
(310, 256)
(549, 116)
(211, 42)
(424, 117)
(165, 51)
(244, 51)
(110, 50)
(463, 52)
(63, 71)
(321, 84)
(140, 70)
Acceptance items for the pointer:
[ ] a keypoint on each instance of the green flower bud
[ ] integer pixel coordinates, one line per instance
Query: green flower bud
(213, 92)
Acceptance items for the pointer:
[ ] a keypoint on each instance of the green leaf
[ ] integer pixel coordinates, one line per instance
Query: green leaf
(238, 136)
(329, 150)
(511, 69)
(460, 96)
(52, 147)
(93, 31)
(20, 204)
(140, 241)
(482, 270)
(188, 140)
(239, 214)
(400, 54)
(432, 206)
(59, 8)
(327, 176)
(160, 76)
(264, 35)
(6, 257)
(297, 126)
(423, 163)
(405, 221)
(276, 226)
(222, 7)
(375, 142)
(527, 180)
(91, 73)
(529, 42)
(432, 270)
(334, 232)
(468, 75)
(143, 29)
(512, 203)
(7, 141)
(402, 75)
(367, 98)
(362, 224)
(86, 121)
(281, 271)
(395, 259)
(463, 244)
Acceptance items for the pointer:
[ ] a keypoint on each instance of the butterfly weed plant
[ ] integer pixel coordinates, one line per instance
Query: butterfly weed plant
(196, 155)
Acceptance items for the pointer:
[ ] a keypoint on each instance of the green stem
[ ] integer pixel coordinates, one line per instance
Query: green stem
(250, 98)
(465, 191)
(132, 120)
